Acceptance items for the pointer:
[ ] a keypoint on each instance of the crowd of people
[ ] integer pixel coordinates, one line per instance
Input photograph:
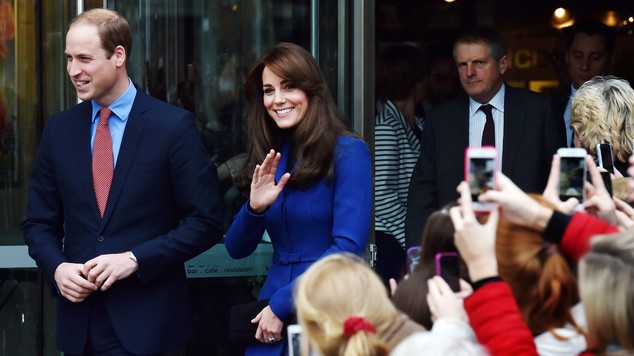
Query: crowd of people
(537, 275)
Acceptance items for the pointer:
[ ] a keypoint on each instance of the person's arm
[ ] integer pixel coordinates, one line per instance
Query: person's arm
(389, 210)
(422, 196)
(573, 234)
(352, 211)
(497, 320)
(43, 228)
(246, 230)
(195, 201)
(492, 309)
(575, 240)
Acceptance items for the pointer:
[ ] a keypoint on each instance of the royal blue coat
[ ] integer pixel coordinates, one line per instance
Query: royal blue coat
(307, 224)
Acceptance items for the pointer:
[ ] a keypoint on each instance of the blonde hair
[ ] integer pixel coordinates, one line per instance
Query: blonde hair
(603, 111)
(333, 289)
(606, 286)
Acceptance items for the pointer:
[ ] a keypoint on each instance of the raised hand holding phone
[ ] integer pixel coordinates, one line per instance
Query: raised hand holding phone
(475, 241)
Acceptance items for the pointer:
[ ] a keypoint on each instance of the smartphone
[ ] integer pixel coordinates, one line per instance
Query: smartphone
(413, 257)
(605, 159)
(294, 332)
(572, 173)
(448, 267)
(481, 163)
(607, 182)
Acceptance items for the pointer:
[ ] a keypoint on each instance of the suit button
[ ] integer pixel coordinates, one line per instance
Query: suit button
(100, 239)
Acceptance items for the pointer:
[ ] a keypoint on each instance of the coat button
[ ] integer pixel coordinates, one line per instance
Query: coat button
(100, 239)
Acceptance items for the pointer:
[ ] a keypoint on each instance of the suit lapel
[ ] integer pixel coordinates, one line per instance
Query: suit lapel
(560, 101)
(84, 153)
(514, 117)
(129, 145)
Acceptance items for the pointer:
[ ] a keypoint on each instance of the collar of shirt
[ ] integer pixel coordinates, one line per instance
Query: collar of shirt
(121, 107)
(497, 102)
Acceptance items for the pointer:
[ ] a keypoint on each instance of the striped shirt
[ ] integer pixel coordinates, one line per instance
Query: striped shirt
(396, 150)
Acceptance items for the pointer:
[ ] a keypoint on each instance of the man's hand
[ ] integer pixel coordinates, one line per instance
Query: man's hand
(104, 270)
(72, 283)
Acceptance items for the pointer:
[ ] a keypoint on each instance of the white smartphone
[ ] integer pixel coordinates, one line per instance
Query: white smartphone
(605, 158)
(481, 163)
(572, 173)
(294, 339)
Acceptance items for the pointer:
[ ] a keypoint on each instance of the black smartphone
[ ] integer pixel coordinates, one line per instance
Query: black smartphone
(607, 181)
(605, 159)
(572, 173)
(448, 267)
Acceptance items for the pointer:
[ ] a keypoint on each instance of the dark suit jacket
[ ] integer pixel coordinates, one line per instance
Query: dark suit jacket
(559, 103)
(164, 206)
(531, 136)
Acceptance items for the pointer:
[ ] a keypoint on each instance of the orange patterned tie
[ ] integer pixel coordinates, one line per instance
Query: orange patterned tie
(102, 160)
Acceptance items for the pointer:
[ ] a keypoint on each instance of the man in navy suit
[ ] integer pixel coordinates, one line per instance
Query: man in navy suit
(589, 52)
(117, 266)
(526, 132)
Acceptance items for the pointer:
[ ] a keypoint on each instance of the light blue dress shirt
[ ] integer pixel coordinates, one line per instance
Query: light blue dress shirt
(120, 108)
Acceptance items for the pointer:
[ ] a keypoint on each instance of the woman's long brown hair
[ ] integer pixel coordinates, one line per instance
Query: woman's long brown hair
(314, 139)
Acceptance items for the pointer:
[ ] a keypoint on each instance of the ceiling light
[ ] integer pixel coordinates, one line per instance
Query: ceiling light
(561, 18)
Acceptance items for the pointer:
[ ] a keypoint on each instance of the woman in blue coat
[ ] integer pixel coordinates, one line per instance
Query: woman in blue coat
(308, 179)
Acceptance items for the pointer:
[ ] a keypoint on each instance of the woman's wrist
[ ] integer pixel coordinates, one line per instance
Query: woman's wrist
(483, 268)
(540, 218)
(253, 210)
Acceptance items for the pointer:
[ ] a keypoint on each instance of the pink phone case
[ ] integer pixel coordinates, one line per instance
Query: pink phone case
(467, 168)
(439, 256)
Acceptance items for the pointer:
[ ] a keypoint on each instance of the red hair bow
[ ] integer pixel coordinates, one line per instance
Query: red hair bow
(354, 324)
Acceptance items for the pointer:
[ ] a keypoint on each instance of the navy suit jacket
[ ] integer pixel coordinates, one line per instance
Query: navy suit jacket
(559, 103)
(164, 206)
(531, 136)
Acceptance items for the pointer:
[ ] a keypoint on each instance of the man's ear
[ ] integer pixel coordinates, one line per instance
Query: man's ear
(120, 56)
(503, 64)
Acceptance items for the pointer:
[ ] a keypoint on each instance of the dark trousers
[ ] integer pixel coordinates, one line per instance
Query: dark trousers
(390, 257)
(102, 339)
